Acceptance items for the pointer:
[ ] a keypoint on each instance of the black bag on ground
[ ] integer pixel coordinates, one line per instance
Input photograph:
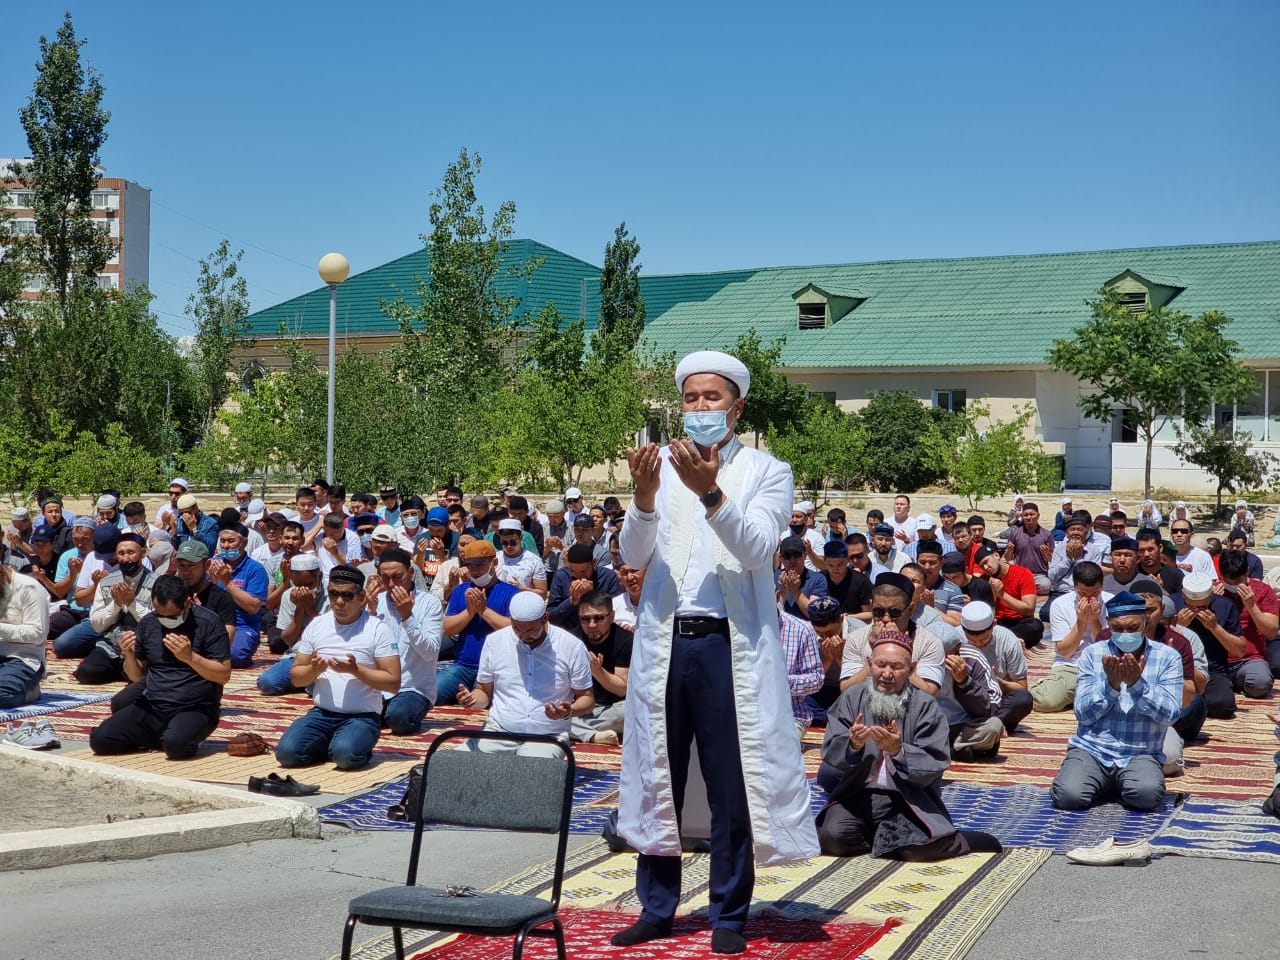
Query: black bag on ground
(410, 806)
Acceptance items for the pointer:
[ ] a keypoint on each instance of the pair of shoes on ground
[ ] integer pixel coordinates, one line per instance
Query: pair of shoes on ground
(1108, 853)
(723, 940)
(280, 786)
(32, 735)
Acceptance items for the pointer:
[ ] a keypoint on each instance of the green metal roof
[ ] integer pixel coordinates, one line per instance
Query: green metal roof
(1003, 311)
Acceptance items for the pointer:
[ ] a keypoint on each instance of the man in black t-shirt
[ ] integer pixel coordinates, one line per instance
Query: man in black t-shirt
(191, 564)
(181, 654)
(609, 647)
(956, 569)
(848, 586)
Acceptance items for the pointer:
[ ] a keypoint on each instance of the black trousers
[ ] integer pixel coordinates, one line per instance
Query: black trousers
(1014, 707)
(142, 725)
(1028, 629)
(1219, 694)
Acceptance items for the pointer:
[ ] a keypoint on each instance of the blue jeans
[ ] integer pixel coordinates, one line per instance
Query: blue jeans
(76, 642)
(19, 684)
(449, 676)
(319, 734)
(1191, 719)
(403, 713)
(244, 645)
(274, 680)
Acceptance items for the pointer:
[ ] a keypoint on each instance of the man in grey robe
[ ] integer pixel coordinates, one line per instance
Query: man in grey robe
(886, 748)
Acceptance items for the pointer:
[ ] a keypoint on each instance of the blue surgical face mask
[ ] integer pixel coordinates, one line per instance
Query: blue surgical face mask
(1127, 642)
(230, 554)
(706, 427)
(411, 522)
(366, 539)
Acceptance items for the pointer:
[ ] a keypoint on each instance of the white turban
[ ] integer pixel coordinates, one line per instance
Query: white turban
(713, 361)
(526, 606)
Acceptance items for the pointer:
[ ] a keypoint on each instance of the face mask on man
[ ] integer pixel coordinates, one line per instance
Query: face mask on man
(229, 554)
(366, 539)
(411, 522)
(131, 568)
(172, 623)
(483, 580)
(706, 427)
(1127, 642)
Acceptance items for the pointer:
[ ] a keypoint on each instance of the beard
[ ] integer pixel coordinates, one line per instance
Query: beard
(885, 706)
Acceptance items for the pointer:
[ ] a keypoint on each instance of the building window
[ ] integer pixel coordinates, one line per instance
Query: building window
(813, 316)
(827, 395)
(101, 200)
(107, 281)
(1135, 300)
(952, 400)
(22, 228)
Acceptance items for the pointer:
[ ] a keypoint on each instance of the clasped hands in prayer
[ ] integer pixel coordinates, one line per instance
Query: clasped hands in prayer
(887, 737)
(695, 471)
(1124, 669)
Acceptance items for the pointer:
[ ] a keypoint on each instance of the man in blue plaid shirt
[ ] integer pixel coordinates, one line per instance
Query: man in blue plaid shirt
(1128, 693)
(804, 665)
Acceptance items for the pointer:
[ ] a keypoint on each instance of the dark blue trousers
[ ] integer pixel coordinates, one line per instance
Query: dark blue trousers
(701, 709)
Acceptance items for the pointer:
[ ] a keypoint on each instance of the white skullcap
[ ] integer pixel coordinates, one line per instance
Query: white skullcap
(977, 615)
(1180, 505)
(527, 606)
(1197, 586)
(510, 523)
(1242, 503)
(555, 506)
(805, 505)
(713, 361)
(256, 507)
(243, 487)
(304, 562)
(180, 482)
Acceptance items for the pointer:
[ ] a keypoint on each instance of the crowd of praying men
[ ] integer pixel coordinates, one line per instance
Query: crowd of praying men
(906, 640)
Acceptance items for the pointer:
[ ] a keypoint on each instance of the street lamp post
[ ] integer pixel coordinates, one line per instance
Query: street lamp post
(333, 270)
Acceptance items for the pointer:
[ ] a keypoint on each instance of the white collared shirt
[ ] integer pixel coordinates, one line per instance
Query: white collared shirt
(700, 591)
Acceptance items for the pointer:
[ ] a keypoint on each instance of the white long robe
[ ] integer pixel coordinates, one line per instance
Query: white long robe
(758, 495)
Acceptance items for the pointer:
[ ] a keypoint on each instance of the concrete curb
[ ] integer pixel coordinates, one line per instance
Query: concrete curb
(240, 817)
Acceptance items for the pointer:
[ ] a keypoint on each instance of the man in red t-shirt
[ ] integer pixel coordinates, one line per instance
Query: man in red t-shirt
(1014, 588)
(1259, 619)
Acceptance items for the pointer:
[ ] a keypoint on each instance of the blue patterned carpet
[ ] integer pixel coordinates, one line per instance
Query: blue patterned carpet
(51, 701)
(1020, 815)
(1227, 829)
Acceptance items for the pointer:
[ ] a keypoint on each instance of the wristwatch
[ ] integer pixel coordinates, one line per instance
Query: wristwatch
(711, 499)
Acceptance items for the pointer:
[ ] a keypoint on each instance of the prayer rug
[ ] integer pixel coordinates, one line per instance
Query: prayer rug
(1023, 815)
(52, 701)
(943, 907)
(587, 934)
(1223, 829)
(595, 796)
(212, 765)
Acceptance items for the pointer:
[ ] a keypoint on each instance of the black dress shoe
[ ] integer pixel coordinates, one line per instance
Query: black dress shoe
(639, 932)
(279, 786)
(724, 940)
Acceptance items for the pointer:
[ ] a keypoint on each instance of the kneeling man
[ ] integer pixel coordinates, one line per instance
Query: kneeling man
(890, 744)
(1128, 693)
(181, 652)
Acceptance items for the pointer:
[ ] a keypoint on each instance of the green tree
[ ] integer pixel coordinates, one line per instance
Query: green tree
(986, 457)
(1226, 456)
(66, 126)
(1157, 364)
(622, 310)
(900, 432)
(218, 308)
(455, 342)
(774, 402)
(824, 449)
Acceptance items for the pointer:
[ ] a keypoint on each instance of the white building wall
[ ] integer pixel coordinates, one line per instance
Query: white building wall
(1086, 442)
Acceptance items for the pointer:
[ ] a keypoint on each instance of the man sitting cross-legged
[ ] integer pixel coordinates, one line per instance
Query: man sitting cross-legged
(609, 646)
(350, 657)
(1128, 693)
(533, 677)
(181, 654)
(883, 758)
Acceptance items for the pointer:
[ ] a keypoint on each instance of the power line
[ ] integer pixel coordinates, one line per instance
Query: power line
(310, 268)
(252, 283)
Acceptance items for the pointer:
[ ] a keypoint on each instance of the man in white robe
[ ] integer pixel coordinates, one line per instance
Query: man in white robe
(707, 664)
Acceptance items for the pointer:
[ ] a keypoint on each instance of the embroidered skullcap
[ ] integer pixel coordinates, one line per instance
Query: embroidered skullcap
(1197, 586)
(713, 361)
(1125, 602)
(893, 636)
(304, 562)
(977, 615)
(824, 610)
(345, 573)
(526, 606)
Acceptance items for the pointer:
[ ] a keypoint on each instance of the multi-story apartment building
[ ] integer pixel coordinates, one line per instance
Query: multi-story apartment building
(123, 206)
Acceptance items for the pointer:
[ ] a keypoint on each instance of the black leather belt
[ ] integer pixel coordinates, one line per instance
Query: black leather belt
(700, 626)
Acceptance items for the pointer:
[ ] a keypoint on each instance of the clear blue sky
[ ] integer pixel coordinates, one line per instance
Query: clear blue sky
(725, 134)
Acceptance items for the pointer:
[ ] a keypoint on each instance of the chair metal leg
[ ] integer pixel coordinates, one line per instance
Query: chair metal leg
(398, 937)
(560, 948)
(518, 951)
(347, 931)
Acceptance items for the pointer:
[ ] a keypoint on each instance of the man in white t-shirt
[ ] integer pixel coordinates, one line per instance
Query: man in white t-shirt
(519, 567)
(903, 523)
(627, 604)
(533, 678)
(1190, 558)
(1075, 620)
(349, 659)
(416, 621)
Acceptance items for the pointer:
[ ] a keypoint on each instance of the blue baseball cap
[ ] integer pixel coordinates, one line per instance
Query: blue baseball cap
(438, 516)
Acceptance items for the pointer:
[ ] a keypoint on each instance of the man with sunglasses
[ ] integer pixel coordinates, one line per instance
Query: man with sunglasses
(476, 609)
(891, 609)
(609, 647)
(519, 567)
(1189, 558)
(349, 659)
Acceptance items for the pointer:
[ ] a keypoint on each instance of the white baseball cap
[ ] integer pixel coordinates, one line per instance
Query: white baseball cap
(926, 520)
(573, 493)
(244, 487)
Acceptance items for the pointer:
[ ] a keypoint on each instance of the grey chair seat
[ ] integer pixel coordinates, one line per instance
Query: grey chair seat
(497, 912)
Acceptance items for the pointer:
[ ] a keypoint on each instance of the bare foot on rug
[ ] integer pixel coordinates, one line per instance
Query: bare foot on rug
(605, 736)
